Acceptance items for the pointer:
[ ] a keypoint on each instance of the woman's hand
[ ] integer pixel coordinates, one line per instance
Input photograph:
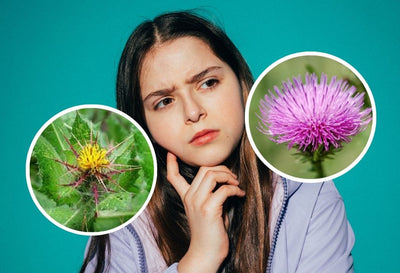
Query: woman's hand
(209, 243)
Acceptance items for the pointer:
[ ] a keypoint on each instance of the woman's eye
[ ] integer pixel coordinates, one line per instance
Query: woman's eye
(164, 102)
(209, 83)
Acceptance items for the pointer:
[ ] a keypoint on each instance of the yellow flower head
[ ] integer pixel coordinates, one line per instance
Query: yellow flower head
(93, 158)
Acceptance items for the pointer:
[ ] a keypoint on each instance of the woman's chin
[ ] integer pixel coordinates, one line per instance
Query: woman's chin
(209, 160)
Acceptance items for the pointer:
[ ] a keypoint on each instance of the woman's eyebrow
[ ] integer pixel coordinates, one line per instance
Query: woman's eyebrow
(158, 93)
(200, 75)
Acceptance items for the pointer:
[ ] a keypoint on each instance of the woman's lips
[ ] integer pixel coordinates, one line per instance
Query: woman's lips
(204, 137)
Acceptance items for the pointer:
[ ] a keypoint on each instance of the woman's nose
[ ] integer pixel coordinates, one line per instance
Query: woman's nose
(194, 111)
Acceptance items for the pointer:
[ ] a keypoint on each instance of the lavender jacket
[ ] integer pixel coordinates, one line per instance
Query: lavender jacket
(310, 234)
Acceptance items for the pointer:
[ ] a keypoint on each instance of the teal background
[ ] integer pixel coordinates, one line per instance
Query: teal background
(58, 54)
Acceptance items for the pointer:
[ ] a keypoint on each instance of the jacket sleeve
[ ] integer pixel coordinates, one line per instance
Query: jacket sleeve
(330, 238)
(123, 256)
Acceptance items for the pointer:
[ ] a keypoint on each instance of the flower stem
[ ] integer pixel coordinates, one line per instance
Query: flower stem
(317, 162)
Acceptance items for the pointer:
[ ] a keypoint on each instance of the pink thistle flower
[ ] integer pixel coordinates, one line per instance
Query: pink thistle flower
(313, 114)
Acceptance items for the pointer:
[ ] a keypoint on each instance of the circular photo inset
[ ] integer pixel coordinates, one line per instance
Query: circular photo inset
(310, 117)
(91, 169)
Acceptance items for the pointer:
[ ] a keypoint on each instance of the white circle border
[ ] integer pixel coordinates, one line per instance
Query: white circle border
(292, 56)
(39, 133)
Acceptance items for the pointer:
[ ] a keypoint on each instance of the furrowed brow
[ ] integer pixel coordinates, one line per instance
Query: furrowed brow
(203, 73)
(193, 79)
(158, 93)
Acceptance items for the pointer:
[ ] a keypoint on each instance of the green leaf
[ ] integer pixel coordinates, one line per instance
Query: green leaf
(117, 202)
(53, 174)
(81, 130)
(122, 153)
(111, 219)
(117, 127)
(55, 133)
(142, 155)
(44, 200)
(127, 180)
(139, 200)
(78, 219)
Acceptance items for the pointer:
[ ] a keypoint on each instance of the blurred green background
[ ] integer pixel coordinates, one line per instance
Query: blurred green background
(55, 55)
(278, 155)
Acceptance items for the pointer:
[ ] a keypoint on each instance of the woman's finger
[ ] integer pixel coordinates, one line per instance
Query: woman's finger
(210, 181)
(207, 171)
(174, 177)
(219, 196)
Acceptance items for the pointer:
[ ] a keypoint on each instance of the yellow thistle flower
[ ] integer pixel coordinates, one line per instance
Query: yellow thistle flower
(92, 158)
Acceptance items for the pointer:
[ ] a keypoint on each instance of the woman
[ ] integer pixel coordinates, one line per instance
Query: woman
(216, 207)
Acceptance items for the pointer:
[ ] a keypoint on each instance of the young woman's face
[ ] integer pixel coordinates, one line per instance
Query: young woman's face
(192, 101)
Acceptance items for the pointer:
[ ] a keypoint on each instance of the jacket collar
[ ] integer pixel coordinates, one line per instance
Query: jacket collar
(292, 186)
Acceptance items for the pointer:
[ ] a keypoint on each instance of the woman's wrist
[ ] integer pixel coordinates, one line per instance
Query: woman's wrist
(199, 263)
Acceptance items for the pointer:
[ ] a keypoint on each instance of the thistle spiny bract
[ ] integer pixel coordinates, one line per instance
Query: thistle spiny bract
(94, 166)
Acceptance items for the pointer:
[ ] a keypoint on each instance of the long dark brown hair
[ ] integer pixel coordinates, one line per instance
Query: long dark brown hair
(248, 228)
